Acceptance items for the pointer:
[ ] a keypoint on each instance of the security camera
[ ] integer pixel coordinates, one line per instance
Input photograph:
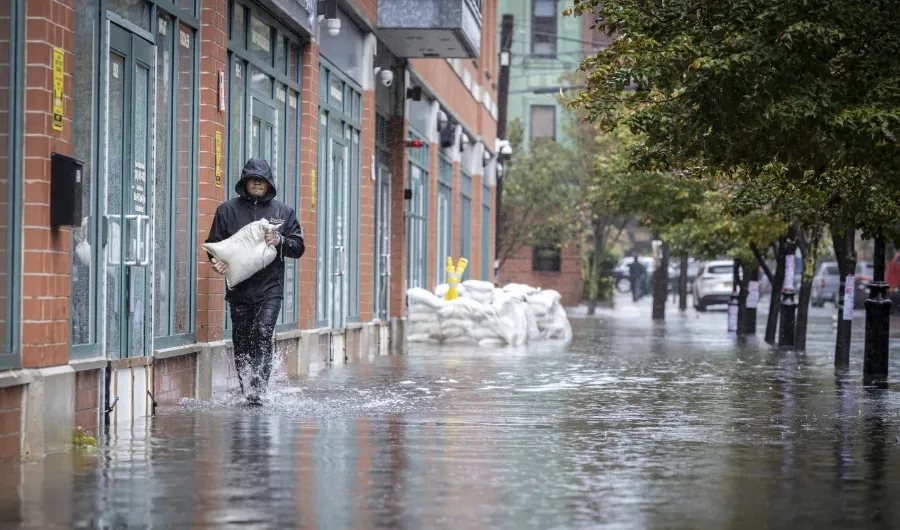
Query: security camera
(334, 26)
(504, 148)
(387, 77)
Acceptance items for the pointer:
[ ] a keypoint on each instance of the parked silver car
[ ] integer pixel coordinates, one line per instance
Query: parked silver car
(826, 284)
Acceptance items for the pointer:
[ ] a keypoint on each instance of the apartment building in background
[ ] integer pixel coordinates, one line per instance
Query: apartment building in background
(379, 122)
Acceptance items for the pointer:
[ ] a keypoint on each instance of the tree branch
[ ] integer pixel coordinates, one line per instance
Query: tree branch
(762, 262)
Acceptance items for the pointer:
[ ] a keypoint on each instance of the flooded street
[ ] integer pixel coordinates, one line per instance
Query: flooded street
(637, 425)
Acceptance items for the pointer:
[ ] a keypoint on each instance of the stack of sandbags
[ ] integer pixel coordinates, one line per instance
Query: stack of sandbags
(423, 314)
(511, 318)
(518, 290)
(478, 290)
(465, 320)
(550, 315)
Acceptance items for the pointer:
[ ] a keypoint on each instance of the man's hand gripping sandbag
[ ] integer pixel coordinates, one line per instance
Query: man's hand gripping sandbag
(246, 252)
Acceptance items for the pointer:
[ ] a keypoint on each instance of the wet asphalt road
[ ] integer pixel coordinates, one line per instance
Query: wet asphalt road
(636, 426)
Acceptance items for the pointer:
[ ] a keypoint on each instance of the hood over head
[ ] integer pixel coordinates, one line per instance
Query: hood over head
(258, 168)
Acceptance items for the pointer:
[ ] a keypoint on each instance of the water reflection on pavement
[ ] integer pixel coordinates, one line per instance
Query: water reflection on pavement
(637, 425)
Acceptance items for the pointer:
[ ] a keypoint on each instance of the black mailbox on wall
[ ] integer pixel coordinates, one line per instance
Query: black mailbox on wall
(65, 190)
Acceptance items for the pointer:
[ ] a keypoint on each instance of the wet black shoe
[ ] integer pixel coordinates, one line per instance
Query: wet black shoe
(254, 401)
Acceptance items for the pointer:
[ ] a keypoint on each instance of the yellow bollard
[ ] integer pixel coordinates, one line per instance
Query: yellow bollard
(454, 274)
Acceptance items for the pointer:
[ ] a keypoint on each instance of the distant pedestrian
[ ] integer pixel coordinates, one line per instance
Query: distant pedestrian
(637, 274)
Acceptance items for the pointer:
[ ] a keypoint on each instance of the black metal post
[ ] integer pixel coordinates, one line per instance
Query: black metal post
(878, 322)
(506, 40)
(788, 318)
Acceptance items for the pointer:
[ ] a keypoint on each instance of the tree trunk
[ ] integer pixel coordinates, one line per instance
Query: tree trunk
(747, 325)
(661, 284)
(844, 251)
(683, 284)
(777, 284)
(810, 256)
(741, 281)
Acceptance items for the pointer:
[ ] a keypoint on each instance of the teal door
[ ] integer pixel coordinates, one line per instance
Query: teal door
(336, 234)
(127, 227)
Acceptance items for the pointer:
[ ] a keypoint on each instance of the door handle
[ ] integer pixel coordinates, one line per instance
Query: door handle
(144, 259)
(343, 261)
(340, 268)
(137, 239)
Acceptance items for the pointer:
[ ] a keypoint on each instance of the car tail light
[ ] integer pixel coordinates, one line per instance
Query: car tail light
(822, 283)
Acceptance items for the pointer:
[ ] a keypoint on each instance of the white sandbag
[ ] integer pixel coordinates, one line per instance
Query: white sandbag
(548, 298)
(534, 331)
(483, 332)
(462, 323)
(462, 308)
(491, 343)
(423, 297)
(443, 333)
(418, 337)
(246, 252)
(518, 289)
(422, 317)
(478, 286)
(560, 328)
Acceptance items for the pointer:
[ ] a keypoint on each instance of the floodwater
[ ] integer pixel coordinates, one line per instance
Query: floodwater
(636, 426)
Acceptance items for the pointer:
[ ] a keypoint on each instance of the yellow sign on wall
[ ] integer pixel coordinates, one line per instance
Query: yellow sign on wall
(218, 159)
(313, 182)
(59, 80)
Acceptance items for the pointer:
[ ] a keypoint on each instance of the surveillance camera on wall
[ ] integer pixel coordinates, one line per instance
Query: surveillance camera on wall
(387, 76)
(504, 147)
(334, 26)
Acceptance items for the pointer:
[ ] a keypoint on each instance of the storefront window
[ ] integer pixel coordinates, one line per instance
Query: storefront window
(10, 171)
(264, 117)
(174, 182)
(135, 11)
(84, 125)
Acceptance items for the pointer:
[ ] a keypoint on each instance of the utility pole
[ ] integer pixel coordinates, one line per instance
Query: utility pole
(506, 39)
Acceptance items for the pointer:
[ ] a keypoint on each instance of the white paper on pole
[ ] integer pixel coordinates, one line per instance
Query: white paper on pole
(752, 294)
(849, 296)
(789, 269)
(732, 317)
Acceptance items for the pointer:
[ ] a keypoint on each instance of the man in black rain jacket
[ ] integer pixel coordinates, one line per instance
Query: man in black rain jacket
(256, 301)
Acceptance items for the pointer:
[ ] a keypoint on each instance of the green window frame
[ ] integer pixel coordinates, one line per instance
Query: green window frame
(465, 219)
(417, 208)
(10, 326)
(487, 271)
(261, 45)
(444, 218)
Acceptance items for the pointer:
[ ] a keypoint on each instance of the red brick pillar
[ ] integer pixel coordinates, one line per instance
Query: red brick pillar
(455, 212)
(46, 253)
(309, 159)
(367, 212)
(399, 183)
(213, 58)
(477, 197)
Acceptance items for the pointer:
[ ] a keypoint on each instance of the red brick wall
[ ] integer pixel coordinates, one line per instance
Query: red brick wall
(87, 399)
(213, 57)
(45, 281)
(309, 157)
(475, 260)
(450, 88)
(10, 422)
(367, 212)
(369, 8)
(399, 181)
(567, 281)
(173, 379)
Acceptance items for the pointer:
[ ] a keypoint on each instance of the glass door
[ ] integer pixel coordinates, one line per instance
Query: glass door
(383, 239)
(336, 236)
(127, 225)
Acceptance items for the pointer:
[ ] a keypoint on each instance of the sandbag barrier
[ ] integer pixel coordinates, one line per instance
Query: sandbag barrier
(486, 315)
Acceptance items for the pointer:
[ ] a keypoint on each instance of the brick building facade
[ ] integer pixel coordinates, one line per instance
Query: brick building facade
(161, 102)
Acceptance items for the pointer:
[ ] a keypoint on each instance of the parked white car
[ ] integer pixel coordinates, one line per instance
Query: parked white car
(714, 284)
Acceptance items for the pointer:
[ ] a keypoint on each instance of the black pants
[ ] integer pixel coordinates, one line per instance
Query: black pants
(253, 335)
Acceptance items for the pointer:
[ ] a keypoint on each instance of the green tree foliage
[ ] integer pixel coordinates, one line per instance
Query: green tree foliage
(540, 188)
